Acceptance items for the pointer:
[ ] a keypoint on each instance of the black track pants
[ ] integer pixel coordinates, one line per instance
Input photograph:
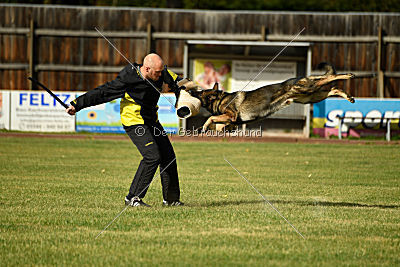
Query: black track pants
(156, 149)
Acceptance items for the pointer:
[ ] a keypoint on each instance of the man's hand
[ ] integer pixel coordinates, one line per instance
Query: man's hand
(71, 110)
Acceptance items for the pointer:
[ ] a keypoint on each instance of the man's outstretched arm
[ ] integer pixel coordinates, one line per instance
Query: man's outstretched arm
(104, 93)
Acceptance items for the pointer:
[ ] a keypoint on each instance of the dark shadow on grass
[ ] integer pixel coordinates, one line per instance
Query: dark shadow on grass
(301, 203)
(335, 204)
(228, 203)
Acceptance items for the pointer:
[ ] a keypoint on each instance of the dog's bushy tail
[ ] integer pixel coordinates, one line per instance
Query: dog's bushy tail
(330, 70)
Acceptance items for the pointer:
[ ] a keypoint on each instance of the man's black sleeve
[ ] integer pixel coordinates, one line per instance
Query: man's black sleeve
(106, 92)
(171, 79)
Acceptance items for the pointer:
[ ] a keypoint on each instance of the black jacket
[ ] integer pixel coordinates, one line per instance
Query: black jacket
(130, 85)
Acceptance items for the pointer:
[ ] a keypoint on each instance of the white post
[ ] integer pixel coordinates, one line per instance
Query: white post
(306, 129)
(186, 61)
(340, 127)
(388, 130)
(183, 124)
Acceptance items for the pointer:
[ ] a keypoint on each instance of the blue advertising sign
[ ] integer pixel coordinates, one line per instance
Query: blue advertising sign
(362, 117)
(167, 113)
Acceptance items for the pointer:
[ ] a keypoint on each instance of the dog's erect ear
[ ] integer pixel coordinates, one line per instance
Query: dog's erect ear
(215, 88)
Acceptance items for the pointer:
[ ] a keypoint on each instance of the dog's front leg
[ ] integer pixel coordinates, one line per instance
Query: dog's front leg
(224, 118)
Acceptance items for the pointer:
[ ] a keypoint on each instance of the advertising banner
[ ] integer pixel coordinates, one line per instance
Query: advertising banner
(244, 71)
(37, 111)
(105, 118)
(207, 72)
(367, 116)
(167, 113)
(235, 75)
(102, 118)
(5, 110)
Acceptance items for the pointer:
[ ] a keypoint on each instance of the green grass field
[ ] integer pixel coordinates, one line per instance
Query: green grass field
(58, 194)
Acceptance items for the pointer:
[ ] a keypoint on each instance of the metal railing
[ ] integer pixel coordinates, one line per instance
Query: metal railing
(341, 122)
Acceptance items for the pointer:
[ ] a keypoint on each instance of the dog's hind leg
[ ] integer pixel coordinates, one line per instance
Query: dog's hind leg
(338, 92)
(331, 78)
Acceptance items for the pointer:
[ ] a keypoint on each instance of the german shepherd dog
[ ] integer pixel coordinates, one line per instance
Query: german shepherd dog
(244, 107)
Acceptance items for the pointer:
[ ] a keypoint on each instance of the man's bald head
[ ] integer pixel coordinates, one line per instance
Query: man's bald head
(153, 61)
(152, 66)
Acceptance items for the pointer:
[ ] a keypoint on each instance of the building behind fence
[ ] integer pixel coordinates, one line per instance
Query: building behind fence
(59, 45)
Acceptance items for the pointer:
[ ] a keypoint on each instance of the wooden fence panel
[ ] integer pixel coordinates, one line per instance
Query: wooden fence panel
(95, 51)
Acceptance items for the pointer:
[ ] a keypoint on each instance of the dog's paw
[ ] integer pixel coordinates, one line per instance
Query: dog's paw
(204, 129)
(351, 99)
(351, 75)
(198, 129)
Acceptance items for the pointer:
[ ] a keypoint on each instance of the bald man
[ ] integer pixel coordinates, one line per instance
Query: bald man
(135, 86)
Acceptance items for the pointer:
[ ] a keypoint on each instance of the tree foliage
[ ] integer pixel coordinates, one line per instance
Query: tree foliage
(286, 5)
